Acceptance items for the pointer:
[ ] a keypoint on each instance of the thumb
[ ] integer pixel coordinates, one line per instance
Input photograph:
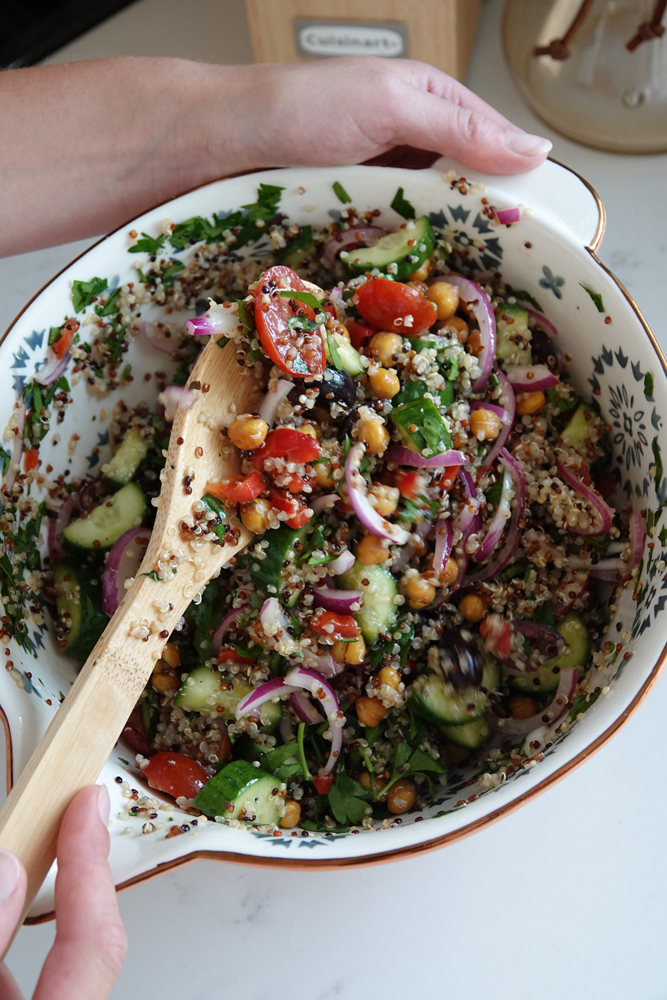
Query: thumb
(12, 896)
(431, 122)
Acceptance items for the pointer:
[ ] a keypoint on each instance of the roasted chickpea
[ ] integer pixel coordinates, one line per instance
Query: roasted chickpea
(171, 655)
(375, 436)
(164, 683)
(386, 347)
(390, 676)
(356, 651)
(338, 651)
(522, 706)
(383, 498)
(401, 796)
(370, 711)
(420, 592)
(323, 474)
(445, 297)
(310, 430)
(529, 402)
(449, 572)
(474, 343)
(472, 607)
(372, 550)
(248, 432)
(292, 814)
(255, 515)
(457, 326)
(485, 424)
(365, 780)
(385, 383)
(422, 273)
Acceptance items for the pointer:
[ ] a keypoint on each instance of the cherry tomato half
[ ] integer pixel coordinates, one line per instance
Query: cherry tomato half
(359, 332)
(323, 783)
(176, 774)
(134, 732)
(285, 442)
(388, 304)
(300, 512)
(30, 459)
(64, 341)
(447, 478)
(497, 635)
(231, 655)
(238, 489)
(334, 625)
(410, 484)
(297, 351)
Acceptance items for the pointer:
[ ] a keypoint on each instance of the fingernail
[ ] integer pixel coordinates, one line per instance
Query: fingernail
(9, 874)
(527, 144)
(104, 804)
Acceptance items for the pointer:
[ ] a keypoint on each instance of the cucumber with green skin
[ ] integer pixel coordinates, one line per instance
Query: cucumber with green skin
(269, 575)
(421, 426)
(124, 464)
(205, 690)
(379, 588)
(546, 678)
(510, 321)
(79, 601)
(404, 251)
(438, 701)
(583, 431)
(106, 523)
(469, 734)
(349, 359)
(244, 792)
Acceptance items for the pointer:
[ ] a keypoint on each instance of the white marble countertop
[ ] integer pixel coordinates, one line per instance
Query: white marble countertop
(566, 895)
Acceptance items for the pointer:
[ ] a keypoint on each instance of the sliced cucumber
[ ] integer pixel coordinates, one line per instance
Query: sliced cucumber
(512, 323)
(378, 613)
(242, 791)
(415, 390)
(270, 574)
(79, 604)
(205, 690)
(123, 466)
(105, 524)
(546, 677)
(297, 251)
(584, 430)
(469, 735)
(407, 249)
(437, 700)
(342, 354)
(421, 426)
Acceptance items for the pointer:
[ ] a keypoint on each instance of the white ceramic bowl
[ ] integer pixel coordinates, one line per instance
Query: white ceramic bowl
(551, 254)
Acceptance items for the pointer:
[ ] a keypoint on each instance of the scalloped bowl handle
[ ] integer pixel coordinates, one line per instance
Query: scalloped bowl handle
(573, 206)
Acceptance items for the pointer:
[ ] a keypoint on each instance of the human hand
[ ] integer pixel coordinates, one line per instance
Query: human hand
(90, 944)
(350, 110)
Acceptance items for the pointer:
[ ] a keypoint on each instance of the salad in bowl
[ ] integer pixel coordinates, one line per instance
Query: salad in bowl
(446, 563)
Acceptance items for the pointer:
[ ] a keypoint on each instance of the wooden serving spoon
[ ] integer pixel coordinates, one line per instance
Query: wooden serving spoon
(80, 738)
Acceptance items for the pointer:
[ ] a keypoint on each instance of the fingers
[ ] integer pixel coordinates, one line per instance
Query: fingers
(429, 122)
(9, 989)
(12, 897)
(90, 945)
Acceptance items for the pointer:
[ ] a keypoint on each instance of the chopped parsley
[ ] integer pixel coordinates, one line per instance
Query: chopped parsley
(148, 244)
(83, 292)
(246, 225)
(307, 298)
(402, 206)
(341, 193)
(595, 296)
(648, 385)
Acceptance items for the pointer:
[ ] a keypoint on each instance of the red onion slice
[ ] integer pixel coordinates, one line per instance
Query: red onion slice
(551, 716)
(323, 693)
(343, 602)
(356, 236)
(53, 368)
(529, 378)
(507, 402)
(502, 514)
(358, 495)
(123, 561)
(608, 570)
(443, 543)
(218, 319)
(226, 625)
(636, 543)
(477, 299)
(174, 396)
(273, 617)
(270, 691)
(323, 502)
(304, 709)
(17, 447)
(508, 216)
(512, 540)
(404, 456)
(57, 524)
(272, 400)
(541, 321)
(546, 638)
(161, 339)
(323, 664)
(343, 563)
(606, 515)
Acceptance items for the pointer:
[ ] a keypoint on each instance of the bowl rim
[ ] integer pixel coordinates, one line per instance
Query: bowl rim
(452, 836)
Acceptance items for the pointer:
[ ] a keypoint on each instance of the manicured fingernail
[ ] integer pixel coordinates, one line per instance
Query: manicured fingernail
(104, 804)
(527, 144)
(9, 874)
